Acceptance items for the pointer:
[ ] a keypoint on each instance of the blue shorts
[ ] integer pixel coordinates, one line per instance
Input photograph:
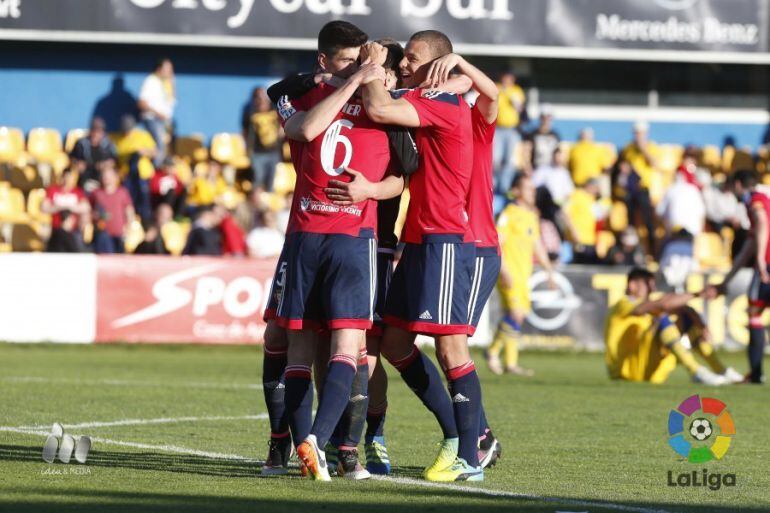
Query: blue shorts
(384, 277)
(276, 288)
(431, 287)
(759, 292)
(330, 282)
(485, 272)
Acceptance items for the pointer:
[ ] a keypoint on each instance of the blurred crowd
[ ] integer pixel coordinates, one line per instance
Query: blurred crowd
(148, 190)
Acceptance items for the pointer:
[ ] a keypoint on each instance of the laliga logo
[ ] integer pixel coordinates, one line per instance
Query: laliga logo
(551, 309)
(209, 290)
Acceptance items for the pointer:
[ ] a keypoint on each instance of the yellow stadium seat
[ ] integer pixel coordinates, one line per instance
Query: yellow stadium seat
(230, 198)
(44, 144)
(670, 157)
(187, 147)
(609, 153)
(285, 178)
(709, 251)
(710, 158)
(25, 237)
(5, 247)
(175, 236)
(134, 235)
(743, 159)
(12, 205)
(34, 201)
(183, 170)
(11, 145)
(73, 136)
(229, 149)
(605, 239)
(565, 147)
(618, 216)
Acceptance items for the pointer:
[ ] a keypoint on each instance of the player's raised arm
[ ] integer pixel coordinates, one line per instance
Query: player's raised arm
(316, 120)
(667, 303)
(382, 108)
(439, 74)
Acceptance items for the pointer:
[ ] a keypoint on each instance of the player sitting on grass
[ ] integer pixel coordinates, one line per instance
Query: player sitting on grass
(643, 336)
(519, 231)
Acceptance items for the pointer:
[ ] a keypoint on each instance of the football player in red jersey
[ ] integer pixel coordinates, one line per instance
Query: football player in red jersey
(431, 286)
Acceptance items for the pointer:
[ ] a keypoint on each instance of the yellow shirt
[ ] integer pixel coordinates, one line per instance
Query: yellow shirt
(580, 209)
(266, 128)
(639, 162)
(586, 161)
(624, 334)
(509, 102)
(133, 142)
(204, 192)
(519, 230)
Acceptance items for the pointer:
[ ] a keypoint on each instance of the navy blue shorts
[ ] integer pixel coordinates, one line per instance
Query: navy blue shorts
(431, 287)
(384, 277)
(330, 282)
(759, 293)
(276, 288)
(485, 272)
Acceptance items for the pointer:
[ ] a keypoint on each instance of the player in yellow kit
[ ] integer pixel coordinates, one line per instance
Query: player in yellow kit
(643, 336)
(518, 228)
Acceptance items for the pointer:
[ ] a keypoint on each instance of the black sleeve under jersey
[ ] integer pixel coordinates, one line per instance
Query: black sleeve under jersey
(404, 149)
(293, 86)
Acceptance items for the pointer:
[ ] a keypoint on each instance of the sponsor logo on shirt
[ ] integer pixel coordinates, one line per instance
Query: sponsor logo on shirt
(311, 205)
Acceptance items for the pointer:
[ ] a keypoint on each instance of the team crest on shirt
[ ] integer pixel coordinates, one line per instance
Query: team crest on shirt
(304, 203)
(285, 108)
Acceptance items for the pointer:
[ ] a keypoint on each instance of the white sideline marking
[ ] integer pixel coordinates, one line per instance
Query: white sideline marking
(128, 383)
(236, 457)
(139, 422)
(516, 495)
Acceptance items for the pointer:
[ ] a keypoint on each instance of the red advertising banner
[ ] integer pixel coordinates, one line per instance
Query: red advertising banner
(189, 299)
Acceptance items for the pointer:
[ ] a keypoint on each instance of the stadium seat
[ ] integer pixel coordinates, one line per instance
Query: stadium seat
(231, 198)
(44, 144)
(134, 235)
(605, 239)
(34, 201)
(709, 251)
(25, 237)
(618, 216)
(190, 148)
(670, 157)
(73, 136)
(285, 178)
(183, 170)
(175, 236)
(24, 178)
(11, 145)
(12, 205)
(229, 149)
(710, 158)
(742, 159)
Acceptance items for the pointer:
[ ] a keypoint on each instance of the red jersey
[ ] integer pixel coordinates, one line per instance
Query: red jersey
(480, 193)
(761, 198)
(439, 187)
(64, 199)
(351, 140)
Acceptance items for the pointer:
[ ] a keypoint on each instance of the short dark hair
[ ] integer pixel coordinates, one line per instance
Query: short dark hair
(395, 53)
(160, 63)
(336, 35)
(639, 273)
(438, 42)
(517, 179)
(746, 177)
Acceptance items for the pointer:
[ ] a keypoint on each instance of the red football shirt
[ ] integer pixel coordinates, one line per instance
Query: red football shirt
(480, 193)
(762, 199)
(351, 140)
(64, 199)
(439, 187)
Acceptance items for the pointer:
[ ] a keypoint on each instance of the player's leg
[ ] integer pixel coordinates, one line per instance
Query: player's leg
(669, 335)
(758, 297)
(377, 459)
(350, 428)
(274, 387)
(691, 324)
(512, 343)
(299, 384)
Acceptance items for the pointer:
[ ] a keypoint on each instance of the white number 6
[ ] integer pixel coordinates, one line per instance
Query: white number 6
(333, 137)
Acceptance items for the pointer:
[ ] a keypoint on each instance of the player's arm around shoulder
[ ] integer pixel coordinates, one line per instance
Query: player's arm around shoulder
(384, 109)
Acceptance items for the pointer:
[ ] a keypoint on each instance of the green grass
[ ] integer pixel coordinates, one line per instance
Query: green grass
(568, 435)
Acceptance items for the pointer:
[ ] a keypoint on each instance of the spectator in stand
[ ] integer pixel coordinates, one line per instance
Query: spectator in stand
(584, 210)
(233, 240)
(66, 202)
(682, 207)
(722, 207)
(113, 212)
(153, 243)
(205, 190)
(555, 177)
(510, 106)
(642, 156)
(266, 240)
(157, 100)
(248, 213)
(166, 188)
(90, 150)
(205, 238)
(627, 187)
(626, 250)
(136, 149)
(587, 160)
(262, 132)
(542, 141)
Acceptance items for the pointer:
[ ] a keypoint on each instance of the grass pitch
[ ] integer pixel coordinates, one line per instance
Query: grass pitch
(179, 428)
